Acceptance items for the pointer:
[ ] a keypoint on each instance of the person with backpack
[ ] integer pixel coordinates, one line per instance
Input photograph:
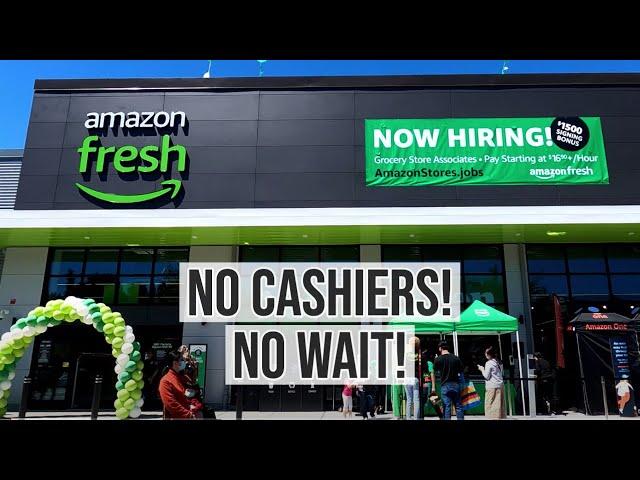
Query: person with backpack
(494, 386)
(449, 367)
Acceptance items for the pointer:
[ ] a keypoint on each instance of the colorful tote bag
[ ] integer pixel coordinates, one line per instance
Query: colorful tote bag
(470, 398)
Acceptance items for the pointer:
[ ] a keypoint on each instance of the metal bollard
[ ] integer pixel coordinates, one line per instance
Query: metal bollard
(239, 393)
(95, 402)
(26, 394)
(604, 399)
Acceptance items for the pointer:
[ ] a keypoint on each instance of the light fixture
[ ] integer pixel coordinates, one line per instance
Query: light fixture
(87, 238)
(604, 307)
(631, 234)
(556, 234)
(304, 235)
(195, 237)
(411, 235)
(133, 244)
(518, 234)
(246, 243)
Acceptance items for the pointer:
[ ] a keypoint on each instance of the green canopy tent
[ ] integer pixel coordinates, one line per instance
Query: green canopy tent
(477, 319)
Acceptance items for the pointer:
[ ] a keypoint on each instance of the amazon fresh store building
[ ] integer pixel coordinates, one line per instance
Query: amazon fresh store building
(531, 181)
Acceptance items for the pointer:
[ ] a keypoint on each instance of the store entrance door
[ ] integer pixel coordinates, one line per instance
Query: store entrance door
(88, 366)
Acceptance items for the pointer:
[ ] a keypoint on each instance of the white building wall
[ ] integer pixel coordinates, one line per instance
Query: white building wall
(22, 280)
(211, 334)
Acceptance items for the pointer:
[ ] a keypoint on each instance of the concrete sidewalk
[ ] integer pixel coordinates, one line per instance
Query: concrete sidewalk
(231, 415)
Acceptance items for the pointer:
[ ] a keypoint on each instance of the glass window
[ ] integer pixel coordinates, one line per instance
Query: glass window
(134, 290)
(168, 260)
(486, 288)
(67, 262)
(401, 253)
(627, 285)
(259, 254)
(546, 259)
(548, 284)
(61, 287)
(624, 258)
(482, 260)
(102, 262)
(437, 253)
(100, 288)
(589, 285)
(348, 253)
(586, 259)
(299, 254)
(136, 261)
(166, 289)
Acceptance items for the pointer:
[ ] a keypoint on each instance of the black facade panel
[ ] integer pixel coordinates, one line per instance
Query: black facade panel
(302, 144)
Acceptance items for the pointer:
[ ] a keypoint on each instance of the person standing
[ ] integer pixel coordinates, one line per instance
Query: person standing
(175, 404)
(428, 380)
(347, 399)
(449, 367)
(544, 380)
(494, 385)
(411, 383)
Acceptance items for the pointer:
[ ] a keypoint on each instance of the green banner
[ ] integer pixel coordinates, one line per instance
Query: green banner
(485, 151)
(199, 354)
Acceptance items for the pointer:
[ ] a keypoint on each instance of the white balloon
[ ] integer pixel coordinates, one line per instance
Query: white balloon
(135, 412)
(140, 403)
(86, 320)
(40, 328)
(128, 329)
(28, 332)
(6, 385)
(17, 333)
(82, 310)
(129, 338)
(12, 375)
(118, 369)
(122, 359)
(70, 300)
(127, 348)
(6, 336)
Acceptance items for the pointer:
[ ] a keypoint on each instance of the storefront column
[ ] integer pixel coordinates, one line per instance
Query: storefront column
(211, 334)
(515, 264)
(22, 281)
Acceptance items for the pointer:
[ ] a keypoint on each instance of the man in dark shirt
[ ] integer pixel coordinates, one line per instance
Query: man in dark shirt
(449, 367)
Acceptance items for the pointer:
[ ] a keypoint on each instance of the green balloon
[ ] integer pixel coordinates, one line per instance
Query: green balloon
(96, 317)
(136, 394)
(58, 315)
(42, 320)
(115, 352)
(137, 375)
(27, 340)
(139, 365)
(65, 308)
(104, 309)
(124, 377)
(21, 323)
(119, 331)
(118, 404)
(109, 339)
(4, 375)
(54, 323)
(32, 320)
(129, 403)
(88, 301)
(6, 349)
(3, 402)
(140, 384)
(99, 326)
(108, 327)
(119, 385)
(123, 394)
(131, 385)
(117, 342)
(135, 355)
(118, 321)
(136, 345)
(17, 343)
(122, 413)
(7, 359)
(38, 311)
(130, 366)
(19, 352)
(6, 394)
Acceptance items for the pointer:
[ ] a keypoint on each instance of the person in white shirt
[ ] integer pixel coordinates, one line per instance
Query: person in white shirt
(494, 407)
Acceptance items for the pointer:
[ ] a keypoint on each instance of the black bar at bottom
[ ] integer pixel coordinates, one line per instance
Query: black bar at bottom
(26, 394)
(239, 393)
(95, 402)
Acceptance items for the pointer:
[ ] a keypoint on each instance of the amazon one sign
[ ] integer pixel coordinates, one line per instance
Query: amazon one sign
(130, 160)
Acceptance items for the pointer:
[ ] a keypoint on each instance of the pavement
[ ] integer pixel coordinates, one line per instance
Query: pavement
(231, 415)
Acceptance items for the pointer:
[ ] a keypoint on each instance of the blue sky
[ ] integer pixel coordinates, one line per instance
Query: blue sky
(17, 76)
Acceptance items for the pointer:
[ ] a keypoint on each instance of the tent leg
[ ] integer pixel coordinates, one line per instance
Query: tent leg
(500, 346)
(524, 403)
(455, 344)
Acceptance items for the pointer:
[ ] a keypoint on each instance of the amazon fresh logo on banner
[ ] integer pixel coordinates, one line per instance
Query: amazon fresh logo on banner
(164, 159)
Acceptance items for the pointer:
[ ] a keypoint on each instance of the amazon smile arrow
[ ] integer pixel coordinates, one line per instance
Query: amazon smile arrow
(172, 186)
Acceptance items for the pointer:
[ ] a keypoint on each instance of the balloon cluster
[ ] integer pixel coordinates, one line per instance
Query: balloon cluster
(125, 348)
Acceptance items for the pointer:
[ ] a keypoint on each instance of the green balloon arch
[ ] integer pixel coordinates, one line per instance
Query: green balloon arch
(125, 348)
